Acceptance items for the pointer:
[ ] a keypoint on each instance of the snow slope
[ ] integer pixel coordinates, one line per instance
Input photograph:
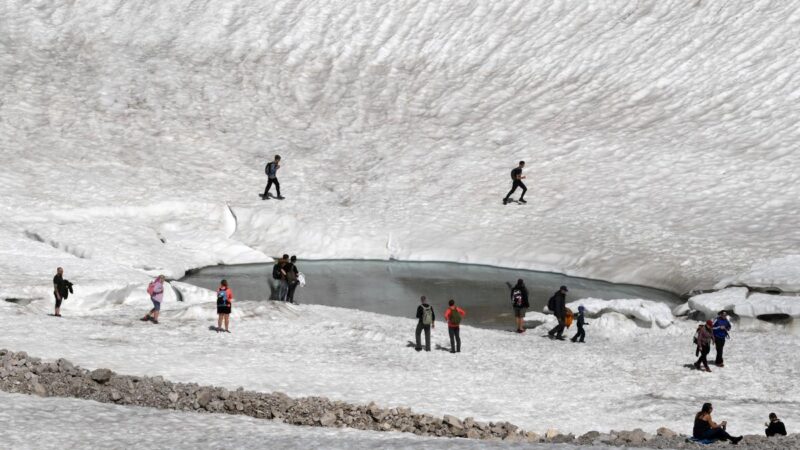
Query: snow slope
(625, 376)
(661, 135)
(69, 423)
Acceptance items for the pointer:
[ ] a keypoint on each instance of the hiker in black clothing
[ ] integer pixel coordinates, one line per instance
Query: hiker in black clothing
(775, 427)
(705, 428)
(61, 289)
(519, 301)
(581, 334)
(427, 320)
(516, 179)
(285, 268)
(557, 304)
(292, 276)
(272, 178)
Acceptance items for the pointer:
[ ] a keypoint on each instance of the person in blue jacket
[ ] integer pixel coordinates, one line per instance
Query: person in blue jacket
(721, 328)
(581, 334)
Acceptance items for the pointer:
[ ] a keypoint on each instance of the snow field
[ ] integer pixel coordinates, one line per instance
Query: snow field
(626, 376)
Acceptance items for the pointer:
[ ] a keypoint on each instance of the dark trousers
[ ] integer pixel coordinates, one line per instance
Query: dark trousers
(283, 290)
(290, 294)
(455, 339)
(720, 344)
(427, 328)
(580, 335)
(703, 354)
(270, 182)
(58, 300)
(716, 434)
(517, 184)
(558, 330)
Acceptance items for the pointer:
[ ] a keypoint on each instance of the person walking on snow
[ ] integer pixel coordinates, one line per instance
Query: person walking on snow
(156, 291)
(272, 178)
(703, 338)
(453, 316)
(427, 320)
(519, 301)
(516, 180)
(224, 305)
(581, 334)
(61, 290)
(721, 328)
(558, 305)
(291, 273)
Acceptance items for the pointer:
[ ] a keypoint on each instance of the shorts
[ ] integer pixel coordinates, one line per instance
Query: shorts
(519, 311)
(224, 309)
(156, 305)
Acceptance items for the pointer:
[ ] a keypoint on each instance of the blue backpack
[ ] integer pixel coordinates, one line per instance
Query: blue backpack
(222, 297)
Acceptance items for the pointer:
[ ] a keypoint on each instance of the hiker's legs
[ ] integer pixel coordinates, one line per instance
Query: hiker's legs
(427, 337)
(513, 188)
(579, 335)
(283, 292)
(219, 320)
(227, 319)
(702, 360)
(458, 338)
(717, 434)
(524, 190)
(559, 329)
(269, 185)
(418, 335)
(720, 345)
(290, 295)
(58, 305)
(452, 332)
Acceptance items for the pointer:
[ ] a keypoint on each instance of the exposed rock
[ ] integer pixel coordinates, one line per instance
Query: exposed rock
(39, 390)
(204, 398)
(101, 375)
(666, 433)
(453, 421)
(551, 433)
(327, 419)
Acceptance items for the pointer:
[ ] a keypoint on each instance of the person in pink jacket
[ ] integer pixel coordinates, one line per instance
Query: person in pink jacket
(156, 291)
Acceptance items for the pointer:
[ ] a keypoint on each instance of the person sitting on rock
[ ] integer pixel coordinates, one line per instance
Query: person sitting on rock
(775, 427)
(705, 428)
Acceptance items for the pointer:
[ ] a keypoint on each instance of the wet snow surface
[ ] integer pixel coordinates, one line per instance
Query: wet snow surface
(661, 140)
(625, 376)
(69, 423)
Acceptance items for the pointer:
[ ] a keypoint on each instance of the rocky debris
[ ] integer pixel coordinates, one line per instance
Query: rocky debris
(20, 373)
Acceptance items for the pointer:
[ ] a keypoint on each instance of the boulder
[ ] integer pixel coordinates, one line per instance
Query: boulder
(101, 375)
(203, 398)
(551, 433)
(453, 421)
(327, 419)
(666, 433)
(39, 390)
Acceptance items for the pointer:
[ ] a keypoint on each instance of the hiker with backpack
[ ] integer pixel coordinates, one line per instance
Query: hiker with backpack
(707, 430)
(519, 301)
(156, 291)
(276, 286)
(291, 273)
(703, 338)
(516, 182)
(271, 170)
(558, 305)
(427, 320)
(224, 305)
(453, 316)
(61, 290)
(581, 334)
(721, 332)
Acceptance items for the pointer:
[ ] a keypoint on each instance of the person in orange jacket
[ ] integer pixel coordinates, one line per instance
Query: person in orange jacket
(453, 316)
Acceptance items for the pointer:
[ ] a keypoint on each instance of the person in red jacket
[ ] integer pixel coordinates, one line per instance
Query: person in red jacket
(453, 316)
(224, 305)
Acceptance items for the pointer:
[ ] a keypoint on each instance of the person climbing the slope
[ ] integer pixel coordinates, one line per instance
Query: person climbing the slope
(224, 305)
(156, 291)
(721, 328)
(519, 301)
(427, 320)
(272, 178)
(581, 334)
(557, 304)
(453, 316)
(704, 337)
(61, 290)
(706, 429)
(516, 182)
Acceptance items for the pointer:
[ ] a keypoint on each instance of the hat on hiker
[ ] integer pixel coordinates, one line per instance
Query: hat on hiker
(564, 288)
(709, 323)
(581, 308)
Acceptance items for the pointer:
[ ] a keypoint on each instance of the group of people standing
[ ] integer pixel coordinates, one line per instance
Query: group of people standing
(288, 277)
(714, 332)
(426, 320)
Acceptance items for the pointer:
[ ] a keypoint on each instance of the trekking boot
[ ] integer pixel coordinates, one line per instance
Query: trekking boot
(522, 201)
(505, 201)
(697, 366)
(154, 321)
(735, 440)
(280, 197)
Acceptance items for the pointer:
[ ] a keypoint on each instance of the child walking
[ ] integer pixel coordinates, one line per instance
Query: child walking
(581, 334)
